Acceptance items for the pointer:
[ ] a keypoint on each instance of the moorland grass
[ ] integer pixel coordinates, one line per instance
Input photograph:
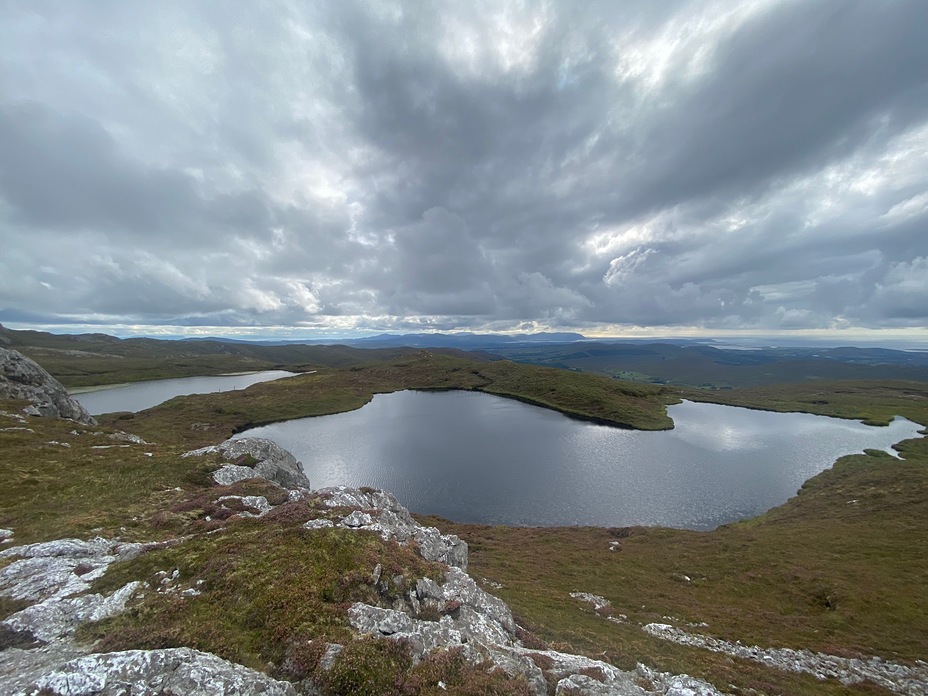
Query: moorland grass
(79, 369)
(873, 402)
(264, 586)
(840, 568)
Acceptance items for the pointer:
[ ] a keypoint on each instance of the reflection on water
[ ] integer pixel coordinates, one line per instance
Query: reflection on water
(475, 457)
(142, 395)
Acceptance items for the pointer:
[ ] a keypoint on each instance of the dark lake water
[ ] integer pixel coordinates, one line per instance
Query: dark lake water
(473, 457)
(141, 395)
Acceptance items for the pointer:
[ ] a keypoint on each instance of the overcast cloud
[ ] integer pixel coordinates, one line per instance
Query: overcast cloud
(353, 166)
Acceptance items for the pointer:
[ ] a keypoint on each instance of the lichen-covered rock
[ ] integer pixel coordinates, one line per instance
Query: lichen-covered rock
(41, 656)
(60, 568)
(461, 589)
(380, 512)
(228, 474)
(120, 436)
(255, 502)
(265, 459)
(668, 684)
(470, 617)
(896, 677)
(58, 617)
(319, 524)
(21, 666)
(56, 576)
(422, 636)
(471, 620)
(577, 672)
(156, 672)
(582, 685)
(22, 378)
(332, 651)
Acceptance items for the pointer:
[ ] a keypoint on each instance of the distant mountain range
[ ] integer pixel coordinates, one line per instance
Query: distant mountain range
(464, 340)
(694, 362)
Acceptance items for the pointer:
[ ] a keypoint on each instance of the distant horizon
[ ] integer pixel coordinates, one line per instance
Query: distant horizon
(908, 339)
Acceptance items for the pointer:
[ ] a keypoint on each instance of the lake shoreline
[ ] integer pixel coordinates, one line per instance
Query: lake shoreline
(489, 459)
(137, 396)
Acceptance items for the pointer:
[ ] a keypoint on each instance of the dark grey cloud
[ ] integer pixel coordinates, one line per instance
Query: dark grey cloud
(801, 84)
(369, 166)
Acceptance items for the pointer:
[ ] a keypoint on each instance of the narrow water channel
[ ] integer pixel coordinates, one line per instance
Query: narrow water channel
(141, 395)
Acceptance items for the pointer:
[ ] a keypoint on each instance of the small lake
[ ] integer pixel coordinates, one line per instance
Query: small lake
(474, 457)
(141, 395)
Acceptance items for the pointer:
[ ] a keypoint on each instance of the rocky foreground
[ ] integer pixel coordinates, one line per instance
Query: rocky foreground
(53, 583)
(43, 657)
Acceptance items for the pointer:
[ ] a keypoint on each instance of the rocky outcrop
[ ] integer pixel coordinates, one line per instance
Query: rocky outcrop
(41, 655)
(898, 678)
(470, 617)
(380, 512)
(460, 615)
(56, 577)
(155, 672)
(22, 378)
(255, 457)
(907, 680)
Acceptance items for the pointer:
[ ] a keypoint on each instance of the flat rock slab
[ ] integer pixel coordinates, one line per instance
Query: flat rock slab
(156, 672)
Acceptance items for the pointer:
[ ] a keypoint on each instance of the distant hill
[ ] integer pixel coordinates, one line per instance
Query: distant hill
(92, 359)
(710, 366)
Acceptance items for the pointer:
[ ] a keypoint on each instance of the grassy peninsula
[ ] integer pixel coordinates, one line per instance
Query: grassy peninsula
(200, 419)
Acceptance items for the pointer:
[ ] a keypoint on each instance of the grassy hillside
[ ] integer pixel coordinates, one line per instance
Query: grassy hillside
(841, 568)
(269, 594)
(873, 402)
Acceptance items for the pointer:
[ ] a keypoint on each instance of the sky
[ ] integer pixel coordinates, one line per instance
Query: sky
(340, 168)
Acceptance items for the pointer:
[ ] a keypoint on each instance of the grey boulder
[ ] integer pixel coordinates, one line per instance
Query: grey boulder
(255, 457)
(22, 378)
